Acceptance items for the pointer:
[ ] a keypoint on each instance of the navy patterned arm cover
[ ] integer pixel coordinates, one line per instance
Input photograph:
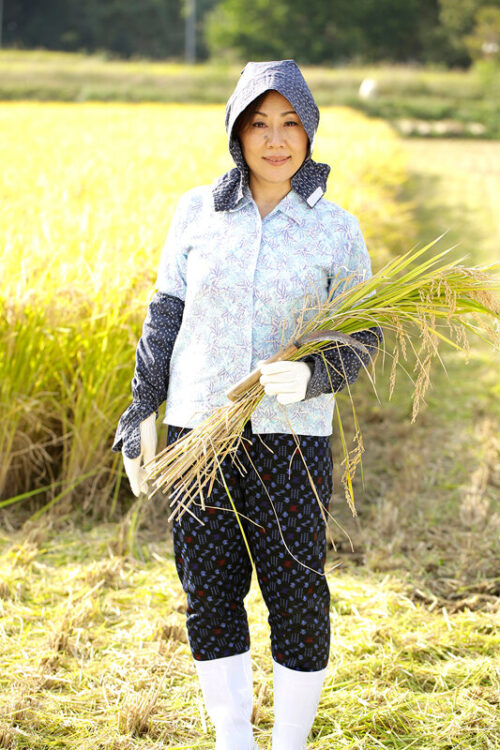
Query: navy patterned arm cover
(344, 363)
(152, 364)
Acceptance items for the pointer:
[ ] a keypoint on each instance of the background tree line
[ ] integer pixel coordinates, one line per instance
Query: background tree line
(451, 32)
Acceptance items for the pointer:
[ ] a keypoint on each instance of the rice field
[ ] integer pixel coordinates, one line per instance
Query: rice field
(416, 100)
(93, 651)
(87, 195)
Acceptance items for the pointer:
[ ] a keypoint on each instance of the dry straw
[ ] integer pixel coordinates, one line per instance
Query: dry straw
(421, 298)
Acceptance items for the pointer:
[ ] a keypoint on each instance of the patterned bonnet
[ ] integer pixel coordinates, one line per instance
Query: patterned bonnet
(285, 77)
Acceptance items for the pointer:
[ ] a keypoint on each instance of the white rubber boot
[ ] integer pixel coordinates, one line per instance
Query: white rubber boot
(296, 698)
(226, 685)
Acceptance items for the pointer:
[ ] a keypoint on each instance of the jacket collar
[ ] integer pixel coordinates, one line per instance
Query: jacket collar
(292, 204)
(309, 182)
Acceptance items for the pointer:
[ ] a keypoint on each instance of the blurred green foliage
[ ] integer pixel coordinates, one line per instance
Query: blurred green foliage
(484, 43)
(126, 28)
(317, 32)
(459, 18)
(324, 32)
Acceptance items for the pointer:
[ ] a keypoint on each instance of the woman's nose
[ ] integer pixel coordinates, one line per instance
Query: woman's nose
(274, 136)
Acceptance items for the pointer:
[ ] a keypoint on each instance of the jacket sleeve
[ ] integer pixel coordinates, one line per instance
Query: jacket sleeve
(339, 365)
(159, 332)
(152, 364)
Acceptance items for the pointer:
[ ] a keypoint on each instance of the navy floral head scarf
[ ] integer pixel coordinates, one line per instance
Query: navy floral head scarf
(285, 77)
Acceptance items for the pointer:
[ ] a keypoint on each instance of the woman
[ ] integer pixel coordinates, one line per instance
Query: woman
(240, 258)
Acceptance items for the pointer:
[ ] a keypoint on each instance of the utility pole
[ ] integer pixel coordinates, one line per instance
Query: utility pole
(190, 41)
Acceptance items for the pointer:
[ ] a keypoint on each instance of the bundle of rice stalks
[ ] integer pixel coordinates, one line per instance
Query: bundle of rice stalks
(423, 300)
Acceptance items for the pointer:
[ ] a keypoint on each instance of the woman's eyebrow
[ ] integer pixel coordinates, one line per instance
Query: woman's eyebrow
(290, 112)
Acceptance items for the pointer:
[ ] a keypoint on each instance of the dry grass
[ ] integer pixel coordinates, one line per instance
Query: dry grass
(102, 662)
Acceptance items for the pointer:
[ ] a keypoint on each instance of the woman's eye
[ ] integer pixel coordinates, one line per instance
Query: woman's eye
(291, 122)
(258, 124)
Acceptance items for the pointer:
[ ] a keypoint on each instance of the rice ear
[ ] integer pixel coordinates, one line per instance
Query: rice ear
(417, 297)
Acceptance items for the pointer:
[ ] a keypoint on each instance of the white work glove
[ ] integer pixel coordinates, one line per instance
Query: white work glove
(286, 380)
(133, 466)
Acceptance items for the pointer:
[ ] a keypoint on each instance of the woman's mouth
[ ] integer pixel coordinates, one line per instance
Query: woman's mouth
(276, 161)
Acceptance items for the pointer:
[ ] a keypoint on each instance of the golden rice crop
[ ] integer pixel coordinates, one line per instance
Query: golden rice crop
(87, 194)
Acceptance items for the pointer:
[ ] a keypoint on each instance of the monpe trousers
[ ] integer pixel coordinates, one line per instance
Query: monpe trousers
(285, 530)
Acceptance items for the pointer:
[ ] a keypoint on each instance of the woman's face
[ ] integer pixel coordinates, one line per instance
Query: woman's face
(274, 143)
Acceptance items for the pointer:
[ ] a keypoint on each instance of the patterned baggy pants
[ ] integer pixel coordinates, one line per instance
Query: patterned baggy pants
(285, 530)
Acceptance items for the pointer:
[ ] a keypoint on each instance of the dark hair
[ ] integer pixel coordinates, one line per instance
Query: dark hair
(245, 117)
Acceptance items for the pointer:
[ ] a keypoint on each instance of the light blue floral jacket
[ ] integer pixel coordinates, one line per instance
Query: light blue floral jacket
(244, 281)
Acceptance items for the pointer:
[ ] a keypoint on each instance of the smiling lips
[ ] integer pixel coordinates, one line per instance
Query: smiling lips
(276, 161)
